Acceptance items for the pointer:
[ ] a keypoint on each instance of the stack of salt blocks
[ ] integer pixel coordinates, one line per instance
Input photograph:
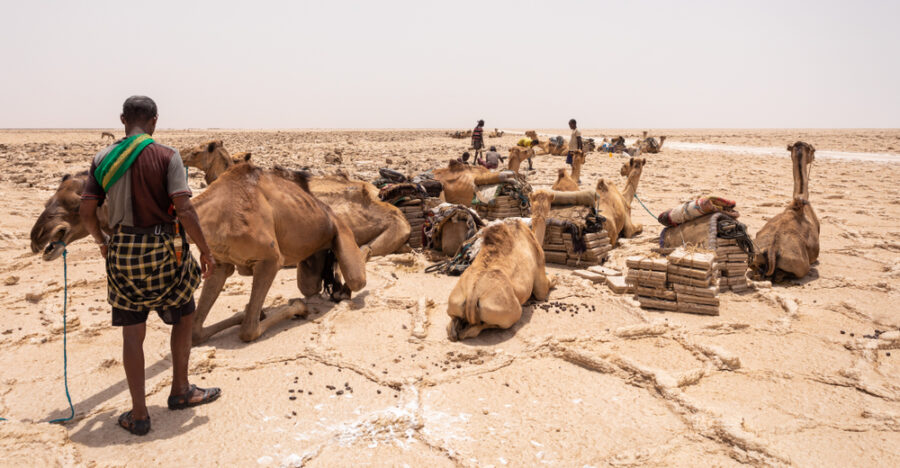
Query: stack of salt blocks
(414, 212)
(733, 264)
(558, 248)
(694, 276)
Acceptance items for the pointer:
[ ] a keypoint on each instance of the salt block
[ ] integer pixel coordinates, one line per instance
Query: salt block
(698, 308)
(697, 299)
(618, 285)
(646, 263)
(659, 293)
(589, 275)
(605, 271)
(709, 291)
(652, 303)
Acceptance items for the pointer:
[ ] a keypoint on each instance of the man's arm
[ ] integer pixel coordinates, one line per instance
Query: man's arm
(188, 218)
(88, 213)
(580, 147)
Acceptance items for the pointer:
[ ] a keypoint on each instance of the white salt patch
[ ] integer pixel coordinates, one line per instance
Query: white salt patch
(264, 460)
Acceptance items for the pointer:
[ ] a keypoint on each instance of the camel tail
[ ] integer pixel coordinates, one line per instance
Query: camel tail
(471, 307)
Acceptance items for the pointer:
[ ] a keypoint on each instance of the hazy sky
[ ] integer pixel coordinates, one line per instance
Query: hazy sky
(412, 64)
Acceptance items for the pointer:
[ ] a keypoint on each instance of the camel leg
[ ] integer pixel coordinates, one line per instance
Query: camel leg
(349, 257)
(263, 274)
(387, 242)
(208, 295)
(542, 285)
(474, 330)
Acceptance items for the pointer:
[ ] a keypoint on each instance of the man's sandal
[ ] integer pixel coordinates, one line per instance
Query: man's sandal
(135, 426)
(177, 402)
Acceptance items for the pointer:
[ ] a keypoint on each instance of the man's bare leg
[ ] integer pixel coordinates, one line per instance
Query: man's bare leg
(133, 360)
(181, 354)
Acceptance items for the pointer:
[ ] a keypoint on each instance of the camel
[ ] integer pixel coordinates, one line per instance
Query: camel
(378, 227)
(548, 147)
(461, 134)
(788, 243)
(517, 155)
(60, 224)
(615, 206)
(496, 134)
(650, 145)
(566, 183)
(257, 221)
(248, 220)
(108, 135)
(508, 269)
(460, 181)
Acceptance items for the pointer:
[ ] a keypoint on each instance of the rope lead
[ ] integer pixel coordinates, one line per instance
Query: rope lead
(65, 354)
(645, 206)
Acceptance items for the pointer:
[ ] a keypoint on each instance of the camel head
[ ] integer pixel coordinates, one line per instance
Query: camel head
(531, 134)
(241, 157)
(60, 222)
(602, 186)
(211, 157)
(540, 203)
(633, 166)
(802, 156)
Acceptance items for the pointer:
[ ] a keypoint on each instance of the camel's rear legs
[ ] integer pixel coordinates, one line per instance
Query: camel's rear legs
(212, 286)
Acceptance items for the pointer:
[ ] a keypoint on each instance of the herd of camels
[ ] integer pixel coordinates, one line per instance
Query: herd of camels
(249, 216)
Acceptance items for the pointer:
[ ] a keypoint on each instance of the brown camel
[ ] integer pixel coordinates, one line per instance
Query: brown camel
(548, 147)
(565, 182)
(650, 145)
(517, 155)
(378, 227)
(257, 221)
(60, 224)
(507, 271)
(107, 135)
(496, 134)
(248, 220)
(788, 243)
(460, 181)
(615, 206)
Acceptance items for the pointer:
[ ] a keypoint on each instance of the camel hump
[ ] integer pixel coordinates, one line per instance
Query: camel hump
(300, 178)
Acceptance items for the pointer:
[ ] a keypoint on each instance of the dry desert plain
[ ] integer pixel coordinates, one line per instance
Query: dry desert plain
(791, 375)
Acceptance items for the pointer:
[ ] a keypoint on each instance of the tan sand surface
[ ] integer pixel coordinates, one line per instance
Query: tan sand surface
(591, 380)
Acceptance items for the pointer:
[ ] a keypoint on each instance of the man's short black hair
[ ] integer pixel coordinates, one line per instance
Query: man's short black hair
(465, 156)
(481, 123)
(572, 122)
(138, 109)
(493, 148)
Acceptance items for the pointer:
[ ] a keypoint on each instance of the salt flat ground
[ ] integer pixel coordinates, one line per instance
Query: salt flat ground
(594, 380)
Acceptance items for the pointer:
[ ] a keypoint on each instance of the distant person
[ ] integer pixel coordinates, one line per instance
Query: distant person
(478, 139)
(575, 142)
(465, 158)
(492, 158)
(148, 264)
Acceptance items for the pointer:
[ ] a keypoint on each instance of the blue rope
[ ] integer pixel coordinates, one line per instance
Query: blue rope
(645, 206)
(65, 354)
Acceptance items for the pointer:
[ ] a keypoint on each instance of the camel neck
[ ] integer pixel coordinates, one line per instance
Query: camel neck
(631, 185)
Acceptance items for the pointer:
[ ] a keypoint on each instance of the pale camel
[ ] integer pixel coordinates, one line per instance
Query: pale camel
(460, 181)
(60, 224)
(517, 155)
(496, 134)
(107, 135)
(548, 147)
(650, 145)
(788, 243)
(565, 182)
(615, 206)
(251, 219)
(507, 271)
(378, 227)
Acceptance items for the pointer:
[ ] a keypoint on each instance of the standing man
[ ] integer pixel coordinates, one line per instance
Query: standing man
(148, 264)
(478, 139)
(575, 142)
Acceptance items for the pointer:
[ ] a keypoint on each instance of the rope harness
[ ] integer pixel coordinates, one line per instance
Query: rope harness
(645, 206)
(65, 354)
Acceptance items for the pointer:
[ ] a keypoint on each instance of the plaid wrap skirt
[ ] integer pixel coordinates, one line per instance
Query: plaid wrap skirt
(143, 275)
